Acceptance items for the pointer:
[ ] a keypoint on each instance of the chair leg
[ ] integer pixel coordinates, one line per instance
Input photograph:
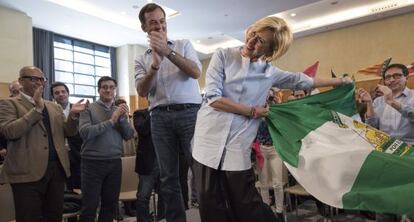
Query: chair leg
(155, 205)
(296, 204)
(117, 213)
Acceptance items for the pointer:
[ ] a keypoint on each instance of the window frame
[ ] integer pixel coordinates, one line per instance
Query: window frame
(96, 51)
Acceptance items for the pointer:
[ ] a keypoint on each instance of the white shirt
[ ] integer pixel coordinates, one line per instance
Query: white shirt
(172, 86)
(66, 111)
(223, 138)
(399, 125)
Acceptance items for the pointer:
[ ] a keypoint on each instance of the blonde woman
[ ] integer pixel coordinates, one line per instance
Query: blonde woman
(237, 82)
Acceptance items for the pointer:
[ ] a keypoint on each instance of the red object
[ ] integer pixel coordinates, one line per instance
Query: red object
(411, 69)
(259, 155)
(311, 70)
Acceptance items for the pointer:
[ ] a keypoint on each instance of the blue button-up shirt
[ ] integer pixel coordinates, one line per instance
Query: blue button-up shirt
(399, 125)
(225, 138)
(172, 85)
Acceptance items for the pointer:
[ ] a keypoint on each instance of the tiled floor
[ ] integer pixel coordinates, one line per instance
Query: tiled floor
(307, 213)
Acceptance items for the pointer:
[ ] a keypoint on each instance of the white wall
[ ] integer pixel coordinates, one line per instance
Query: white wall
(16, 44)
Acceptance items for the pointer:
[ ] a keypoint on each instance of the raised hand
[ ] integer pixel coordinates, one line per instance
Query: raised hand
(78, 107)
(364, 96)
(117, 113)
(124, 109)
(38, 99)
(158, 42)
(386, 92)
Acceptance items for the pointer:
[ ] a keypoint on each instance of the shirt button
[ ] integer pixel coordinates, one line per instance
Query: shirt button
(44, 135)
(45, 147)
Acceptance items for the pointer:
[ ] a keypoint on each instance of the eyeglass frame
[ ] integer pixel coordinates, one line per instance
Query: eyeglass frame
(106, 87)
(394, 76)
(34, 78)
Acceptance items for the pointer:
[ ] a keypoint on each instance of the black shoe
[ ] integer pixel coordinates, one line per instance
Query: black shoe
(280, 217)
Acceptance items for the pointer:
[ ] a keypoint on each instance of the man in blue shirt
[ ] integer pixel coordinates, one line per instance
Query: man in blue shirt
(167, 73)
(393, 112)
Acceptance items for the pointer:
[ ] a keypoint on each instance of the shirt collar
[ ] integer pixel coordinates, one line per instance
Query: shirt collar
(405, 91)
(31, 100)
(169, 43)
(104, 105)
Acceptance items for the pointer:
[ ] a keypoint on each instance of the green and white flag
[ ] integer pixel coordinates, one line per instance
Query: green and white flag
(342, 162)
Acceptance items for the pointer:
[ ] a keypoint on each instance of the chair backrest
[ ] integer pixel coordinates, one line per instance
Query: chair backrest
(6, 203)
(129, 180)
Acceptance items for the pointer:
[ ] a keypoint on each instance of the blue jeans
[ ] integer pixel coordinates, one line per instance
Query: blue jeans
(145, 186)
(172, 131)
(101, 180)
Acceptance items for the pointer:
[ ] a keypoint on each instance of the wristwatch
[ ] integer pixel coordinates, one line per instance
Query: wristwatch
(171, 54)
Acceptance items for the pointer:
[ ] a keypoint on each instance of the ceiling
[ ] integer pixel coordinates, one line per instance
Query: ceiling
(208, 24)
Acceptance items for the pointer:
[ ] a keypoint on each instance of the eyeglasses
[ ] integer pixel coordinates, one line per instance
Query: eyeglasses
(108, 87)
(394, 76)
(35, 78)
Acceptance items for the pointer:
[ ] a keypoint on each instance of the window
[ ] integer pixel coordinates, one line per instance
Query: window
(79, 65)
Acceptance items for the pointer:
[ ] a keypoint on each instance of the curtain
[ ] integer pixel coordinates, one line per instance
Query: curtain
(112, 52)
(43, 56)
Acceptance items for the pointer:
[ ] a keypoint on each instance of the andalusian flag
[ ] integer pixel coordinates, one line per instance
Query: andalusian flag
(342, 162)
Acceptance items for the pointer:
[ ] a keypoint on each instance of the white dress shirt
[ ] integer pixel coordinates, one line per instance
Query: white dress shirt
(221, 139)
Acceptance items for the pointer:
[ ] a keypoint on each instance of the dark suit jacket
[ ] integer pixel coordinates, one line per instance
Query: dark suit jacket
(145, 156)
(27, 148)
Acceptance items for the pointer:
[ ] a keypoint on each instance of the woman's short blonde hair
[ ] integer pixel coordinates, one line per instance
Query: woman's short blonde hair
(282, 37)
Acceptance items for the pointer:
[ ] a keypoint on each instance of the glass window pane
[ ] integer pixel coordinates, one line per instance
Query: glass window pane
(70, 87)
(62, 45)
(80, 64)
(101, 71)
(81, 49)
(84, 79)
(103, 54)
(63, 54)
(85, 90)
(105, 62)
(85, 69)
(63, 65)
(66, 77)
(84, 58)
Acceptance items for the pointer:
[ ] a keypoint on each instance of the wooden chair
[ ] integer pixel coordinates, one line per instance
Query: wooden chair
(129, 181)
(298, 190)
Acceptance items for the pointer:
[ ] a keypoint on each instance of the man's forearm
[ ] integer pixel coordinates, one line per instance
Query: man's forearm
(370, 110)
(186, 65)
(144, 85)
(395, 104)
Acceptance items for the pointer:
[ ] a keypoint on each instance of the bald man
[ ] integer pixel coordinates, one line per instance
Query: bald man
(37, 161)
(14, 88)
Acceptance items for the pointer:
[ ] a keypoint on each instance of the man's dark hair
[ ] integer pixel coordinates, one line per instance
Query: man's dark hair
(146, 9)
(120, 101)
(56, 84)
(106, 78)
(403, 68)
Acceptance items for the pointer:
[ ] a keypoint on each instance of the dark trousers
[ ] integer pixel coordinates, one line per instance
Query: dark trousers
(229, 196)
(172, 132)
(146, 184)
(101, 180)
(41, 200)
(74, 181)
(183, 172)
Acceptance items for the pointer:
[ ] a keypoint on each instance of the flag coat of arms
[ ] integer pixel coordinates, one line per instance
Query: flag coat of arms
(340, 161)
